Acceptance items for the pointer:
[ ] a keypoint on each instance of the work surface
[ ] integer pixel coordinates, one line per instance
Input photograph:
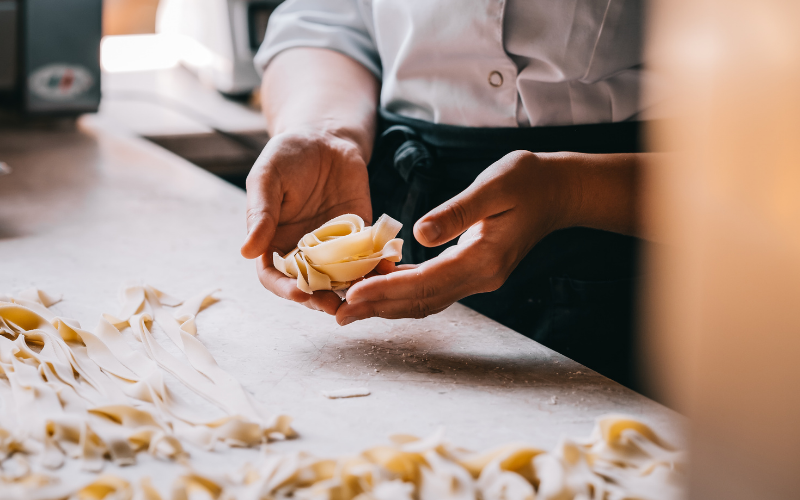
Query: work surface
(85, 211)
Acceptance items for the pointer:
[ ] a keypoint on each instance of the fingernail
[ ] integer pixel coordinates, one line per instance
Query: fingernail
(348, 320)
(430, 230)
(355, 300)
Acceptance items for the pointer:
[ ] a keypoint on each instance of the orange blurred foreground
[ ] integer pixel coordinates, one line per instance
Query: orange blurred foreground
(724, 306)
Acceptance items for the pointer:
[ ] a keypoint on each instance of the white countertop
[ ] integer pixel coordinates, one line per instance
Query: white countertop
(85, 211)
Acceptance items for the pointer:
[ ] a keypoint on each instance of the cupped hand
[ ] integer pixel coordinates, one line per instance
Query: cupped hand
(500, 217)
(300, 181)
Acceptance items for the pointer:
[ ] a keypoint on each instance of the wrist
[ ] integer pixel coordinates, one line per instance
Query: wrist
(361, 138)
(560, 190)
(595, 190)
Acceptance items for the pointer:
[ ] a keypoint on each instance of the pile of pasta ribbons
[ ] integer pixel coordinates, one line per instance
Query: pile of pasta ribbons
(71, 394)
(341, 251)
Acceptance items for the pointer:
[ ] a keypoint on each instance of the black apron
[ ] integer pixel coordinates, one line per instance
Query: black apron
(575, 291)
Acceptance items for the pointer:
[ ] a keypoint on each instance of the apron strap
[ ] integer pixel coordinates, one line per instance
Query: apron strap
(416, 164)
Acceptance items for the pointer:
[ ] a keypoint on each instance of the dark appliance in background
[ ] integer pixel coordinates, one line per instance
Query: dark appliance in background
(49, 57)
(258, 12)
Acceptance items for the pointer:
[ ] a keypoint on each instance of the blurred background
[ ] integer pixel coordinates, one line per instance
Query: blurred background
(129, 17)
(177, 72)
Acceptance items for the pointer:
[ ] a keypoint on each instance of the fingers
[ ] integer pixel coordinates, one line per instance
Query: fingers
(482, 199)
(264, 197)
(285, 287)
(277, 282)
(389, 309)
(385, 267)
(325, 301)
(409, 293)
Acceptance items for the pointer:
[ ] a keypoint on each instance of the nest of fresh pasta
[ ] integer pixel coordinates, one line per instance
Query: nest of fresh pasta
(341, 251)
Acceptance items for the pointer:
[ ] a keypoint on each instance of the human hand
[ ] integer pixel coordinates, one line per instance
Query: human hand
(300, 181)
(500, 217)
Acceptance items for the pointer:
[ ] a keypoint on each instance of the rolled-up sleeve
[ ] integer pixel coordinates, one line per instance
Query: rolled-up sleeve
(338, 25)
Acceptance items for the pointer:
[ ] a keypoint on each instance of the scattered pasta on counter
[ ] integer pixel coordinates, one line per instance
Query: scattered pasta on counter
(71, 394)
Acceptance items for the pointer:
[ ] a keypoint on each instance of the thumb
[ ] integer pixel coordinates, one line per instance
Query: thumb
(264, 198)
(447, 221)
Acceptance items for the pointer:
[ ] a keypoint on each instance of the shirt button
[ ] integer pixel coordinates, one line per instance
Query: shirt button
(495, 79)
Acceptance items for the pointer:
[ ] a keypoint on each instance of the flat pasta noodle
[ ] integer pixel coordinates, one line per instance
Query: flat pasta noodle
(348, 392)
(623, 459)
(72, 394)
(341, 251)
(76, 394)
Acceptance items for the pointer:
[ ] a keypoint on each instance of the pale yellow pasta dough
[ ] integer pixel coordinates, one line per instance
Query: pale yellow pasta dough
(622, 460)
(340, 251)
(349, 392)
(73, 394)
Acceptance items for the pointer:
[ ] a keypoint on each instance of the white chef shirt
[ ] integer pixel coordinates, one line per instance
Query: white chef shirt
(481, 63)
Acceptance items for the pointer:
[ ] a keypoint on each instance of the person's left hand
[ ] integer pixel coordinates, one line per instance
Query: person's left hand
(502, 215)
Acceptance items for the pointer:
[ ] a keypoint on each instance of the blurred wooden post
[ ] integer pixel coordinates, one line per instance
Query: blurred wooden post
(129, 17)
(723, 341)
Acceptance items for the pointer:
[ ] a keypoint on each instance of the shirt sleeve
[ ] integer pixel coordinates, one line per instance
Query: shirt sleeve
(339, 25)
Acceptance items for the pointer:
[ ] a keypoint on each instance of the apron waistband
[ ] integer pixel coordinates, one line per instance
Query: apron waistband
(461, 153)
(452, 140)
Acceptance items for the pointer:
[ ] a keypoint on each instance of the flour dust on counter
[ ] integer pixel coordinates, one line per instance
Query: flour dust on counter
(71, 396)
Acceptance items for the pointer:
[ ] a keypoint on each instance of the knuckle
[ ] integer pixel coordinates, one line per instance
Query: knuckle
(378, 312)
(378, 295)
(518, 156)
(427, 291)
(424, 290)
(253, 213)
(258, 214)
(522, 154)
(420, 309)
(458, 214)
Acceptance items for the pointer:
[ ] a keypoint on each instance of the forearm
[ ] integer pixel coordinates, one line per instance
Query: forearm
(603, 190)
(310, 89)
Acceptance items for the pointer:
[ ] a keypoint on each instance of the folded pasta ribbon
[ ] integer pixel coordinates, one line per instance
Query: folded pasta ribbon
(341, 251)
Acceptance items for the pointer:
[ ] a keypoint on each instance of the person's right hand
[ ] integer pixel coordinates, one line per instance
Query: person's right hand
(300, 181)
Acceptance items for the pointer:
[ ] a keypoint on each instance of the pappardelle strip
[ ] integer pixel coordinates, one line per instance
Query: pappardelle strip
(341, 251)
(72, 393)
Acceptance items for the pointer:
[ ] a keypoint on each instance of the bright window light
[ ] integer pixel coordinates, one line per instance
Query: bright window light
(193, 53)
(123, 53)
